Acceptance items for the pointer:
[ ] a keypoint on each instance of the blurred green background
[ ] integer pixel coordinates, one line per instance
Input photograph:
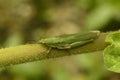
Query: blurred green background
(27, 21)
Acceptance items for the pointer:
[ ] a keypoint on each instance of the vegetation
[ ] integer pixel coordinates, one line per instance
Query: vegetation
(23, 23)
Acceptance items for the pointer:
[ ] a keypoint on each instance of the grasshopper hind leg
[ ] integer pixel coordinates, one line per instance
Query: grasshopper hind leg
(80, 43)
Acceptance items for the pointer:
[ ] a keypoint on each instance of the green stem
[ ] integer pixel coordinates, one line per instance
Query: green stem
(34, 52)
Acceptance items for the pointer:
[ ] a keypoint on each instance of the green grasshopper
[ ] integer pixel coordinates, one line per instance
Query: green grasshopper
(67, 41)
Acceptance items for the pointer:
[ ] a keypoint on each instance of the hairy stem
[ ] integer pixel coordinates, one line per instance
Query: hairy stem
(34, 52)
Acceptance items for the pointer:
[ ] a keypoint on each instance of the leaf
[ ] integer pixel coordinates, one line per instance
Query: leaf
(112, 52)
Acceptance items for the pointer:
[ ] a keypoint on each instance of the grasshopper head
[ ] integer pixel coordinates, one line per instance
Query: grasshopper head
(49, 40)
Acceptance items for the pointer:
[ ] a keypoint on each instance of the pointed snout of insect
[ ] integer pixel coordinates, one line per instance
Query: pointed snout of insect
(49, 40)
(42, 41)
(45, 41)
(97, 32)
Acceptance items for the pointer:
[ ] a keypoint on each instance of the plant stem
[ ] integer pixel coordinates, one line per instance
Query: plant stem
(34, 52)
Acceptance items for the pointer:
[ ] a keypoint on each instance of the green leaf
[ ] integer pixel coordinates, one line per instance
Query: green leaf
(112, 52)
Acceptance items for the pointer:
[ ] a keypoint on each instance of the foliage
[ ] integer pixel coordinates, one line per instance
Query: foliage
(112, 52)
(28, 21)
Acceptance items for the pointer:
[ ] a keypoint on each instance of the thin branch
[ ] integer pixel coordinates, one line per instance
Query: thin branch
(34, 52)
